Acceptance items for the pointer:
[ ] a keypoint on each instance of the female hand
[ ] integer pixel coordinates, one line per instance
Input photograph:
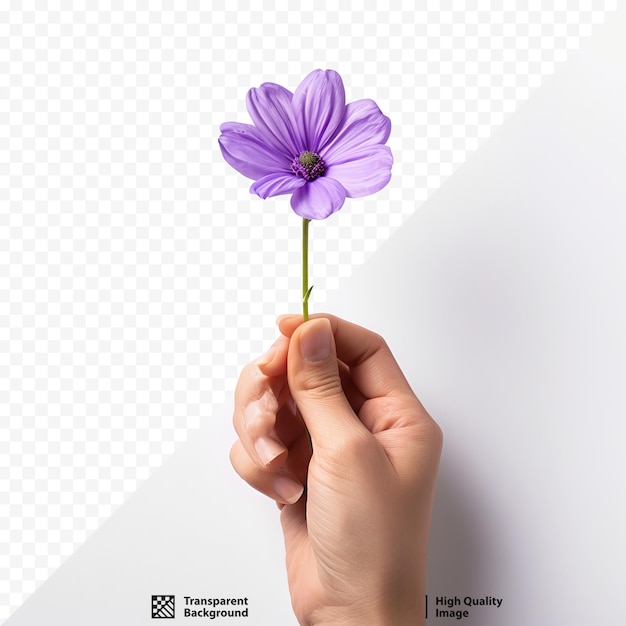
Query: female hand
(356, 537)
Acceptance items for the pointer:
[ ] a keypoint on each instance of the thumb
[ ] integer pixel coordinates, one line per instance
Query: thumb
(315, 384)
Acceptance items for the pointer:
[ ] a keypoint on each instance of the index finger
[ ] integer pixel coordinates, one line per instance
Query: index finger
(373, 368)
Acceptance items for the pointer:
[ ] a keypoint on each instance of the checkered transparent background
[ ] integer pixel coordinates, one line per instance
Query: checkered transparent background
(137, 274)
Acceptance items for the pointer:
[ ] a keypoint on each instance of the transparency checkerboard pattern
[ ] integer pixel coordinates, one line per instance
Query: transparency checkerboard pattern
(163, 607)
(137, 274)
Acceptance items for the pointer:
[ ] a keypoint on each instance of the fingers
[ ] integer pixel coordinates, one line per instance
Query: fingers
(258, 399)
(315, 384)
(274, 361)
(281, 486)
(342, 381)
(372, 380)
(373, 369)
(272, 451)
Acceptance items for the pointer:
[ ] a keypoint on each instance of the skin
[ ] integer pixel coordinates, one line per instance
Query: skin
(356, 537)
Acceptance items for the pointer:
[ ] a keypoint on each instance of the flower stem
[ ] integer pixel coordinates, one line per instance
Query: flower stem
(306, 290)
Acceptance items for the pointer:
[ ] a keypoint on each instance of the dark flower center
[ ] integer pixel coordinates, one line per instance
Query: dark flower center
(308, 165)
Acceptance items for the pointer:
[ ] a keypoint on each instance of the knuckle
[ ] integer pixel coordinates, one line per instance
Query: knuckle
(379, 340)
(430, 435)
(259, 425)
(236, 458)
(247, 375)
(378, 343)
(325, 386)
(438, 435)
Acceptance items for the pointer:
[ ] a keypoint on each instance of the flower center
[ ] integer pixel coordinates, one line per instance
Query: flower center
(308, 165)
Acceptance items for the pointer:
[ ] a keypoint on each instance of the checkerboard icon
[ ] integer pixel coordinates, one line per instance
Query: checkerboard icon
(163, 607)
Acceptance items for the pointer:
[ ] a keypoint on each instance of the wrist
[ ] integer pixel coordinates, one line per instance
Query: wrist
(403, 604)
(408, 619)
(410, 613)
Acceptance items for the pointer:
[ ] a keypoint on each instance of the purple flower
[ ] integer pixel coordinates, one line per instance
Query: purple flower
(310, 144)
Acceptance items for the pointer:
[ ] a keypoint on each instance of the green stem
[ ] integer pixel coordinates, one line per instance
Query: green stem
(306, 291)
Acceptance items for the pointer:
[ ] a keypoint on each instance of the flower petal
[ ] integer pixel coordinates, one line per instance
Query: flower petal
(364, 124)
(276, 185)
(244, 148)
(367, 171)
(270, 108)
(319, 103)
(318, 199)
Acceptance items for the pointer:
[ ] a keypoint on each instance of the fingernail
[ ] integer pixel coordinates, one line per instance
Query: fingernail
(268, 449)
(287, 489)
(315, 340)
(266, 357)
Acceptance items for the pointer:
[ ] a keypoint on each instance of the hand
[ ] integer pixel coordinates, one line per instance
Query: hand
(356, 541)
